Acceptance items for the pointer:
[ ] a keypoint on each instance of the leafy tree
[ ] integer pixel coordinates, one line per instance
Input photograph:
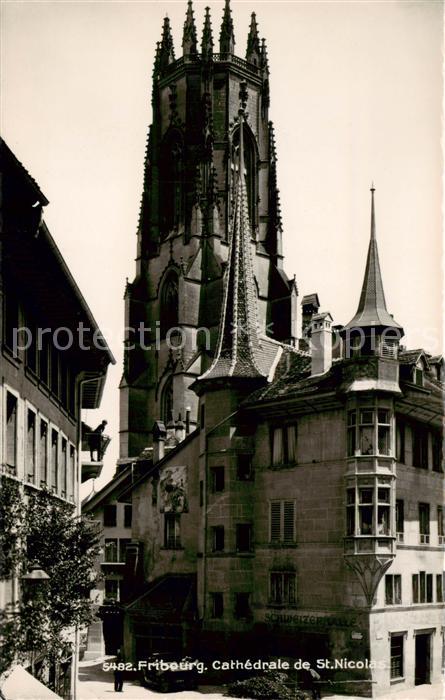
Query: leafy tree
(40, 529)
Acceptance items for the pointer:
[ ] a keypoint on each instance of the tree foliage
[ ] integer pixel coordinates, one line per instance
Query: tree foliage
(41, 529)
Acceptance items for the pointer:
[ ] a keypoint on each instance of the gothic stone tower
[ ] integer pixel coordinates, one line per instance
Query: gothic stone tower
(186, 209)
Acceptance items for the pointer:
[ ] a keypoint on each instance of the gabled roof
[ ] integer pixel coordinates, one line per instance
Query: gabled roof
(117, 483)
(411, 357)
(311, 299)
(372, 311)
(8, 160)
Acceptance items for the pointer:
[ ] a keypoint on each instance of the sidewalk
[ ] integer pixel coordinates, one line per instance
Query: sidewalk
(96, 684)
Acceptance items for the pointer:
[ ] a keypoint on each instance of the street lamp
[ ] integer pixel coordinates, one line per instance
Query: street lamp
(33, 582)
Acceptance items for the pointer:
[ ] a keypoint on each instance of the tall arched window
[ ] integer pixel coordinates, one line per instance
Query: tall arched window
(167, 401)
(172, 183)
(169, 306)
(249, 170)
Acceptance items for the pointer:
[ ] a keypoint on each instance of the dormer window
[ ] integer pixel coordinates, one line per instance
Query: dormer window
(418, 375)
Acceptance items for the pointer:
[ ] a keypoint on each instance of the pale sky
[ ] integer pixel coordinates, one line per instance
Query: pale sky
(356, 97)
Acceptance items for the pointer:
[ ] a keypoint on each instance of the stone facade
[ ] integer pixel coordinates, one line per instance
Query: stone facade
(183, 233)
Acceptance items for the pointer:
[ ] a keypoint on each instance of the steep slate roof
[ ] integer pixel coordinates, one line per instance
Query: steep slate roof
(372, 309)
(411, 357)
(241, 352)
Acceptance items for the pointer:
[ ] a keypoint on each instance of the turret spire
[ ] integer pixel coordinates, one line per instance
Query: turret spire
(372, 311)
(207, 38)
(238, 342)
(167, 51)
(253, 42)
(189, 37)
(227, 36)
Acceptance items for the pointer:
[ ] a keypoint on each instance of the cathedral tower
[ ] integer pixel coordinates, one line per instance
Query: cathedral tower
(173, 306)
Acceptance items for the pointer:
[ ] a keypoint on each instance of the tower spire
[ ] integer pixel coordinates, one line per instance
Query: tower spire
(227, 35)
(189, 37)
(372, 311)
(238, 340)
(207, 37)
(167, 51)
(253, 53)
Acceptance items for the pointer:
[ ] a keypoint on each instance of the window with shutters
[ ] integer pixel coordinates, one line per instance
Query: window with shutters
(63, 466)
(424, 523)
(400, 520)
(422, 587)
(282, 590)
(440, 525)
(43, 452)
(54, 459)
(31, 446)
(396, 655)
(420, 446)
(11, 432)
(282, 522)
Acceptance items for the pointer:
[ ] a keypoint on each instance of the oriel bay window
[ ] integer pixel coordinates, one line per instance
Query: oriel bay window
(368, 508)
(369, 431)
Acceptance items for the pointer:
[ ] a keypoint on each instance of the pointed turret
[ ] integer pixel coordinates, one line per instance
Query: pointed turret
(264, 60)
(207, 37)
(227, 36)
(238, 340)
(167, 51)
(253, 53)
(189, 37)
(372, 311)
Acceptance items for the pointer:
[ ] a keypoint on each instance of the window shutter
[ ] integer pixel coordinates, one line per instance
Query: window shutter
(289, 521)
(275, 521)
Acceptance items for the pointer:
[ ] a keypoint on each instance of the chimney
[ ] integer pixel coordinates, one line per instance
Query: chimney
(310, 305)
(180, 429)
(188, 411)
(171, 427)
(159, 434)
(321, 343)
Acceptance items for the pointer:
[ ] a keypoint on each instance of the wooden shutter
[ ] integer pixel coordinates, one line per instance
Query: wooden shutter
(275, 521)
(288, 521)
